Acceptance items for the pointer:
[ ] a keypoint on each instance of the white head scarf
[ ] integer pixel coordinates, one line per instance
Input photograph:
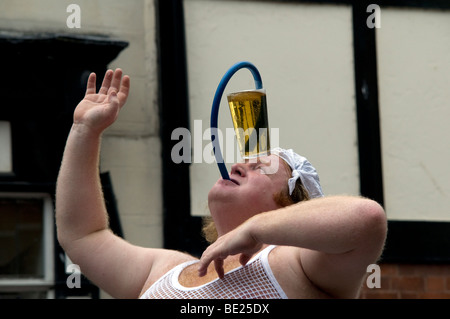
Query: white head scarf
(301, 168)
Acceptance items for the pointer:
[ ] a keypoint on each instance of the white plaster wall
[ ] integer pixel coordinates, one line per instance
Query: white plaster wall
(131, 147)
(414, 79)
(305, 56)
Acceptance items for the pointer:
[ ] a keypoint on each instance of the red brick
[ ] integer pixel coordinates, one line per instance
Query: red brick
(435, 295)
(435, 270)
(388, 269)
(411, 281)
(386, 283)
(408, 283)
(380, 295)
(408, 270)
(435, 283)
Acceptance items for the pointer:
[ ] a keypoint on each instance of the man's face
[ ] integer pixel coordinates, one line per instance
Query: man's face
(251, 186)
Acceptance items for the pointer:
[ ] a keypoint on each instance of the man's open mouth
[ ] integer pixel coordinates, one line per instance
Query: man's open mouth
(234, 181)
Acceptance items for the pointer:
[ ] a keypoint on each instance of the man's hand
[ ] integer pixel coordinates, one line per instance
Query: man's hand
(238, 241)
(99, 110)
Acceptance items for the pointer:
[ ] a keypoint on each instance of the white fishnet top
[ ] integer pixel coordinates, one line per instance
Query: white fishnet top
(252, 281)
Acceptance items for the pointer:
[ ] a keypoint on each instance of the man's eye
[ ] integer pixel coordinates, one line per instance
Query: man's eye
(260, 168)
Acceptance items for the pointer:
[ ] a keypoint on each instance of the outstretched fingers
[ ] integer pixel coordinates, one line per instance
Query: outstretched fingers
(236, 242)
(218, 259)
(100, 109)
(112, 82)
(208, 257)
(215, 253)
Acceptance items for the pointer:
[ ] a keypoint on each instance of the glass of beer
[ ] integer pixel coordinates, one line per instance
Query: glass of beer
(249, 114)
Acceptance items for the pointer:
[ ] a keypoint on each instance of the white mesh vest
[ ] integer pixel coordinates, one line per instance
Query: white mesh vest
(253, 281)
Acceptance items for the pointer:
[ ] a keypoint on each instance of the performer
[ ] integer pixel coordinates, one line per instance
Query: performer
(277, 235)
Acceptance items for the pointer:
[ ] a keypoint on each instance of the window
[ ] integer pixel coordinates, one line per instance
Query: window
(33, 134)
(26, 246)
(5, 146)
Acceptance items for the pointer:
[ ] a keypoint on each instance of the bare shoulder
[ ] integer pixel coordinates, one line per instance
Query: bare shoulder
(285, 262)
(166, 260)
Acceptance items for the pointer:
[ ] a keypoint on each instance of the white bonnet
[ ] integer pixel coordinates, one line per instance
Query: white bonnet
(301, 168)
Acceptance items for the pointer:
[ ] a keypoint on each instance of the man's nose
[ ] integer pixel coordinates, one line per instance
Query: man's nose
(239, 168)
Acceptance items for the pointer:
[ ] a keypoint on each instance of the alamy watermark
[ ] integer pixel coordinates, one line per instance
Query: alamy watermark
(373, 20)
(74, 19)
(374, 279)
(191, 147)
(74, 279)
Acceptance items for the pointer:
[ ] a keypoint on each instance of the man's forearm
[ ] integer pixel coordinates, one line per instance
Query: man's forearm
(80, 208)
(331, 224)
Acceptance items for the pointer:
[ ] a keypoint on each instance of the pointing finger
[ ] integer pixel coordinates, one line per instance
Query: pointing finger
(218, 265)
(203, 266)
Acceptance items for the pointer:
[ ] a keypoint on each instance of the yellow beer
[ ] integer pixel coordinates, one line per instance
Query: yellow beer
(249, 114)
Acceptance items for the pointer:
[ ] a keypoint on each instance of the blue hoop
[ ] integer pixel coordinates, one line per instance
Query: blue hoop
(215, 109)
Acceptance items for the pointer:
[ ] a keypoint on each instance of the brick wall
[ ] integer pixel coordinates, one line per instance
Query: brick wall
(411, 281)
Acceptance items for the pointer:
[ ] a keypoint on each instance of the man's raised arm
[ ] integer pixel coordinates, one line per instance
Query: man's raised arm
(81, 216)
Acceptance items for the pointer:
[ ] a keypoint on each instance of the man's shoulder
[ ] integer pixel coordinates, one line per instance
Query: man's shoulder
(168, 259)
(286, 265)
(165, 260)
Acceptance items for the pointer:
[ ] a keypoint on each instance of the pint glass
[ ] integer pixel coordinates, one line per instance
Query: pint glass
(249, 114)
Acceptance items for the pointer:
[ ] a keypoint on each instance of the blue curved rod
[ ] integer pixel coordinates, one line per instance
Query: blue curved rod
(215, 109)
